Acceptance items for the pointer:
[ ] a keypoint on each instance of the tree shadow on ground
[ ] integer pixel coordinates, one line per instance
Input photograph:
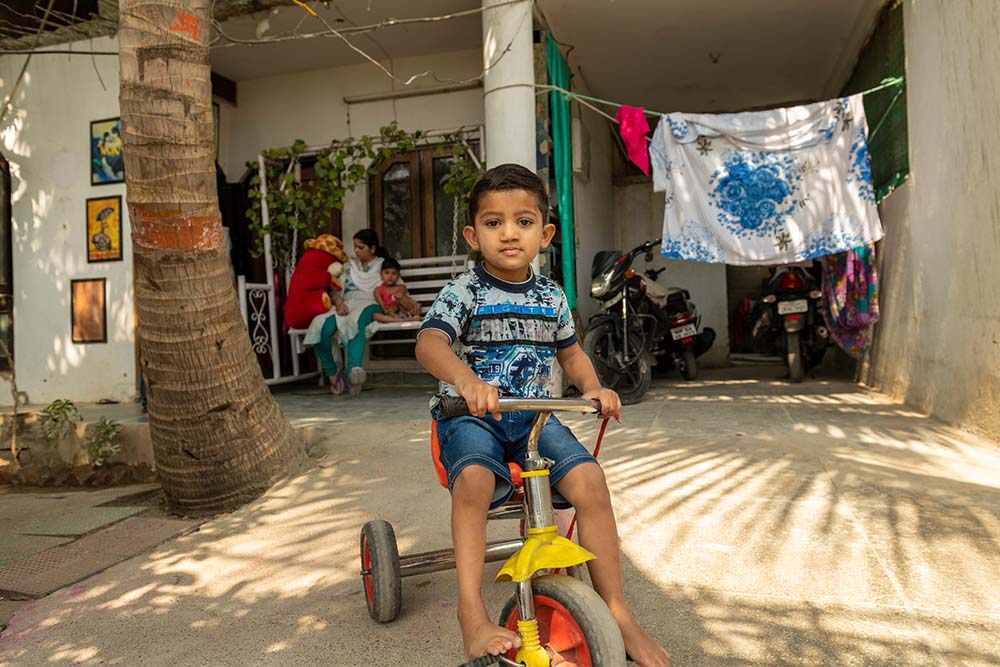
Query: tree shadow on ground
(750, 543)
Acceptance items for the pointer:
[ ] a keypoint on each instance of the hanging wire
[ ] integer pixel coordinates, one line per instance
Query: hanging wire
(336, 33)
(885, 83)
(357, 30)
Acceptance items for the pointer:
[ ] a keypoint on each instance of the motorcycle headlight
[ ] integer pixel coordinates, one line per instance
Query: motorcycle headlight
(599, 286)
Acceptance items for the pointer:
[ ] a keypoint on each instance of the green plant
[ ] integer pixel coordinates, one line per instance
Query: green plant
(462, 174)
(295, 210)
(59, 418)
(102, 443)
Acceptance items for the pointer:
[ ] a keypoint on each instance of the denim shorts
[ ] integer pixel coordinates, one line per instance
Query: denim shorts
(487, 442)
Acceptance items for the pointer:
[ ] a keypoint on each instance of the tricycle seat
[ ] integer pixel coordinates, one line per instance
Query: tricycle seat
(442, 475)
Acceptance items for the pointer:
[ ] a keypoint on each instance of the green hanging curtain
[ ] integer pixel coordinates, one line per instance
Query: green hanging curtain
(562, 151)
(888, 140)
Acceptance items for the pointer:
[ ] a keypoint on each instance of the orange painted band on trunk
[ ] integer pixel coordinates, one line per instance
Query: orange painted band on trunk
(174, 230)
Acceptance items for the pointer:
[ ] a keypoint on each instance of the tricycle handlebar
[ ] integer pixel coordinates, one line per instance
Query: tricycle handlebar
(455, 406)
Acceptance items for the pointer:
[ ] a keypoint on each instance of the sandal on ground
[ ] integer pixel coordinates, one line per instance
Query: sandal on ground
(338, 385)
(357, 380)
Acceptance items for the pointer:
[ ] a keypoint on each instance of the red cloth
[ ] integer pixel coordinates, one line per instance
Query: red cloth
(634, 128)
(309, 283)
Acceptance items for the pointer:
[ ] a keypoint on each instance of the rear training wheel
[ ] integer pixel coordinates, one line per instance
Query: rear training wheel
(380, 570)
(572, 621)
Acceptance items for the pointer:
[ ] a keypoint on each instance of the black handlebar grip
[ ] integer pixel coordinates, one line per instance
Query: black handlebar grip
(597, 404)
(453, 406)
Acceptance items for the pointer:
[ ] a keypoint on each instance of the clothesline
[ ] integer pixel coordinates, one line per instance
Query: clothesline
(885, 83)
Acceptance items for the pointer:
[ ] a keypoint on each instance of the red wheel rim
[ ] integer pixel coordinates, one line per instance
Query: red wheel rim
(557, 630)
(366, 565)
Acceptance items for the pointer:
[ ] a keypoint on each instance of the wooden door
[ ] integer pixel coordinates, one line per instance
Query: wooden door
(410, 211)
(395, 206)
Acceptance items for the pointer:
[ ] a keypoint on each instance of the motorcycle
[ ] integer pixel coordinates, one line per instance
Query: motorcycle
(790, 322)
(639, 321)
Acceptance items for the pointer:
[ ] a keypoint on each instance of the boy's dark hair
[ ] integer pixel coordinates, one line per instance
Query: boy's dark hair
(390, 263)
(508, 177)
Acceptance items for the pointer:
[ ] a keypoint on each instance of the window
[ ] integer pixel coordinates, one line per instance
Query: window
(410, 211)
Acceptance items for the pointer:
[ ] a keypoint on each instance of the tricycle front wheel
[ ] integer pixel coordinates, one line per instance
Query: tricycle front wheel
(573, 621)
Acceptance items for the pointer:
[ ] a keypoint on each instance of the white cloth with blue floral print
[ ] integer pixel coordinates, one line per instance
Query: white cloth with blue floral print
(765, 187)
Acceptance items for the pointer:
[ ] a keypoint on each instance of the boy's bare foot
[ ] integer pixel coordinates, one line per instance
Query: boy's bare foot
(641, 648)
(482, 637)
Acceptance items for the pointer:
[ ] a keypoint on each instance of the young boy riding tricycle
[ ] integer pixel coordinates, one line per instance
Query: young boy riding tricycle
(500, 328)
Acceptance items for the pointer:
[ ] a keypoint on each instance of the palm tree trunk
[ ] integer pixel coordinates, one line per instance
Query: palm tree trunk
(219, 439)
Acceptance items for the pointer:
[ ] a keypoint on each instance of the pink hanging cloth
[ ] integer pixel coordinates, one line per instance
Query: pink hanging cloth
(634, 129)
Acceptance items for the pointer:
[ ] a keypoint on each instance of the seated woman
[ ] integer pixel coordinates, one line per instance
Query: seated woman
(392, 297)
(351, 313)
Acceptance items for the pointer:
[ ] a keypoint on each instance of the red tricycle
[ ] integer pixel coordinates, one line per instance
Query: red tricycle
(551, 612)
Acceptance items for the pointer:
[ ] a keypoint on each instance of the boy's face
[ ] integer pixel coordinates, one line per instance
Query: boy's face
(509, 231)
(390, 276)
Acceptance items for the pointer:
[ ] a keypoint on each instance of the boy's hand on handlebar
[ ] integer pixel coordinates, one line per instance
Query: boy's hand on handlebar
(480, 397)
(611, 405)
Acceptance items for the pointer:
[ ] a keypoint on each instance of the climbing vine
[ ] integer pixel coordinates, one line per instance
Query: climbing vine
(297, 211)
(464, 171)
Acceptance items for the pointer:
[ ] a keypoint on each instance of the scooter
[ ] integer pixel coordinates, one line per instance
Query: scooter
(639, 321)
(790, 316)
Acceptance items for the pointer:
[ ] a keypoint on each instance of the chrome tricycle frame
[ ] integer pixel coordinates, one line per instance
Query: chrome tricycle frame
(541, 547)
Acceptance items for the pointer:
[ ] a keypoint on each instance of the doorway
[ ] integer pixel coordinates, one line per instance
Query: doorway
(6, 269)
(410, 211)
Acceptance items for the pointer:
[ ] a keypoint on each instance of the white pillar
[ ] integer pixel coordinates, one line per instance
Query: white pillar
(508, 87)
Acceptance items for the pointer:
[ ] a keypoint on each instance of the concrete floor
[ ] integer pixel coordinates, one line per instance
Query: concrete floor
(761, 523)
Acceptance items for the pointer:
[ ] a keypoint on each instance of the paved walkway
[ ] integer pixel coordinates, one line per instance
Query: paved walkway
(762, 524)
(51, 539)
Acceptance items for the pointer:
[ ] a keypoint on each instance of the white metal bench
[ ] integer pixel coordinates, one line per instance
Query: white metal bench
(424, 278)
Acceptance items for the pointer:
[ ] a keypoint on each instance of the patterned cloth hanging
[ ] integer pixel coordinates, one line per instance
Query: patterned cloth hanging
(850, 298)
(765, 187)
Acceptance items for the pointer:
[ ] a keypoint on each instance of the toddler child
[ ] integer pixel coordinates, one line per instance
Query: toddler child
(392, 296)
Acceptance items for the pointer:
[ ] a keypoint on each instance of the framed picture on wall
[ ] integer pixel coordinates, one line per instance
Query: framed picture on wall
(88, 310)
(104, 229)
(106, 162)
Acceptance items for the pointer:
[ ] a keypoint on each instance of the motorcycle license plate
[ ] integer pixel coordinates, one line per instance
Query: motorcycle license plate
(790, 307)
(685, 331)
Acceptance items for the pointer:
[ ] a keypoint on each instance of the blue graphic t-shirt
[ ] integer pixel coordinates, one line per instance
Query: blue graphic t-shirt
(507, 333)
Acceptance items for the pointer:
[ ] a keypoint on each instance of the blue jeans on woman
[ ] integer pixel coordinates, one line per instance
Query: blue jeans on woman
(355, 348)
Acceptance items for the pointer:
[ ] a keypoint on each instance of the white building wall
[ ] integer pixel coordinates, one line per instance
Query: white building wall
(938, 344)
(593, 205)
(638, 217)
(46, 140)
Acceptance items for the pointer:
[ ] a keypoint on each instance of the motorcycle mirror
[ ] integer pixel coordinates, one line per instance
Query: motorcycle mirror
(649, 255)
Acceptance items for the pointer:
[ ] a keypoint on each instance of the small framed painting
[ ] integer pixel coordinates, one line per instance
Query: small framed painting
(88, 310)
(106, 162)
(104, 229)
